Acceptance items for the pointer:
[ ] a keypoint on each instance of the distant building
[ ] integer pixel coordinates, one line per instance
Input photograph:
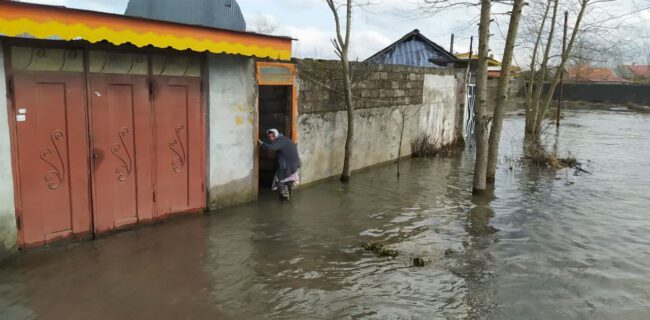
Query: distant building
(587, 74)
(635, 73)
(416, 50)
(494, 66)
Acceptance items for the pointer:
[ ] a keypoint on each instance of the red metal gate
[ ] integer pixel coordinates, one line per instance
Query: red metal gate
(141, 118)
(179, 144)
(52, 155)
(122, 160)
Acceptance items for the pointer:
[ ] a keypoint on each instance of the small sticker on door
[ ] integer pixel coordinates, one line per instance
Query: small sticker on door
(22, 111)
(21, 117)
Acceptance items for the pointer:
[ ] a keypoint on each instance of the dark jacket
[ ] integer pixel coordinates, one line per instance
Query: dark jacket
(287, 156)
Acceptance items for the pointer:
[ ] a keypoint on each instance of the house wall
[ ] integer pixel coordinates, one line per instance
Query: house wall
(231, 124)
(7, 209)
(430, 99)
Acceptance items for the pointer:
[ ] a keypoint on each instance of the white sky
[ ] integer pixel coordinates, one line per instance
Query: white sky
(376, 26)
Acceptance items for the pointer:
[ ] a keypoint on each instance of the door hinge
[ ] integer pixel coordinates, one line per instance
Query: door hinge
(10, 87)
(154, 196)
(19, 222)
(201, 85)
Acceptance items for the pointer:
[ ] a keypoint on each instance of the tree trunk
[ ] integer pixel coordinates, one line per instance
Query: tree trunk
(341, 46)
(401, 137)
(347, 83)
(502, 91)
(345, 176)
(542, 74)
(481, 120)
(556, 79)
(530, 122)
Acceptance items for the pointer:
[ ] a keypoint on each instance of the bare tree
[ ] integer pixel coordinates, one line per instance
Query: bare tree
(341, 46)
(405, 114)
(541, 112)
(482, 120)
(539, 98)
(502, 90)
(539, 88)
(538, 31)
(262, 24)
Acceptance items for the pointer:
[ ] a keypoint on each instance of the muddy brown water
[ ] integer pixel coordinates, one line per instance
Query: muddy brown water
(546, 246)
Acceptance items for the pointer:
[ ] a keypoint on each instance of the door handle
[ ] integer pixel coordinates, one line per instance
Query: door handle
(97, 154)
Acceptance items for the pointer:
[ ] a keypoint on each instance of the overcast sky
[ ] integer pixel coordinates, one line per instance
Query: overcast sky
(378, 25)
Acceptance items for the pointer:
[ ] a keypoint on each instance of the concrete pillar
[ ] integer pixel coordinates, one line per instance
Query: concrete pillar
(7, 208)
(231, 138)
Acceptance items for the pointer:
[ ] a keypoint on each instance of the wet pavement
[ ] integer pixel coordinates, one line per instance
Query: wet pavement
(545, 246)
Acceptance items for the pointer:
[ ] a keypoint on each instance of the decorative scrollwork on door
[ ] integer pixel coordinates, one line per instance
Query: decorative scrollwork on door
(121, 152)
(54, 177)
(176, 145)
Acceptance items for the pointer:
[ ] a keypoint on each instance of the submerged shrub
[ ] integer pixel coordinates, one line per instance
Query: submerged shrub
(423, 147)
(379, 250)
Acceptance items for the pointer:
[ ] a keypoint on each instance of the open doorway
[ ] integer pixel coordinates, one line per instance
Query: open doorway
(275, 111)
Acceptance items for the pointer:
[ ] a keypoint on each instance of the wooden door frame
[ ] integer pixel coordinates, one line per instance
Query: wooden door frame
(294, 92)
(293, 85)
(13, 137)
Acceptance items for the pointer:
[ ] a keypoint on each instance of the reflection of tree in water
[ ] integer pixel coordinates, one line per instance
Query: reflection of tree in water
(476, 262)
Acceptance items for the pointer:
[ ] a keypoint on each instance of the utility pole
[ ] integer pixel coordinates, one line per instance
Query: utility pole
(561, 93)
(471, 43)
(451, 46)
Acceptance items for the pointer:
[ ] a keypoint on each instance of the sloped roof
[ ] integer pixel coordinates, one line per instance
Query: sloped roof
(641, 71)
(592, 74)
(46, 22)
(491, 61)
(221, 14)
(413, 49)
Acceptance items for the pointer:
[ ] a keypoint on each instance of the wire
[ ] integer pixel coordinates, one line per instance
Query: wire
(624, 15)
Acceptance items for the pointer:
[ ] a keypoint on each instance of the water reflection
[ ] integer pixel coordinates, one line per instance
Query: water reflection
(534, 248)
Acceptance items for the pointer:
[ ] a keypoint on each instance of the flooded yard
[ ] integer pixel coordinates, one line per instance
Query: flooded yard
(545, 246)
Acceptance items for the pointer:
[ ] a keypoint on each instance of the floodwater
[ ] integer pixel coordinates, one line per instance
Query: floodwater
(546, 246)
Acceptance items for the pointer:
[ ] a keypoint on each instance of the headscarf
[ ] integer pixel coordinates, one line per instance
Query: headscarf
(275, 132)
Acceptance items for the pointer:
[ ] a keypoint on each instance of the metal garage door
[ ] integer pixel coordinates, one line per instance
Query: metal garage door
(51, 145)
(178, 134)
(132, 142)
(121, 139)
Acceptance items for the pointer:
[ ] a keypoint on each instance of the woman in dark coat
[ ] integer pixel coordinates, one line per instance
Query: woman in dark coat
(286, 177)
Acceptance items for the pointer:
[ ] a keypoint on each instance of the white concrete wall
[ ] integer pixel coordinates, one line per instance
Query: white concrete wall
(438, 118)
(7, 208)
(231, 141)
(321, 136)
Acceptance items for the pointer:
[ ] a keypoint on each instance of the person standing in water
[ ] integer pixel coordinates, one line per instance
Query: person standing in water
(286, 176)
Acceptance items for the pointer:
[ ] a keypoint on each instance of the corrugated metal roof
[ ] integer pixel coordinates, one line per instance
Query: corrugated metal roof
(413, 49)
(221, 14)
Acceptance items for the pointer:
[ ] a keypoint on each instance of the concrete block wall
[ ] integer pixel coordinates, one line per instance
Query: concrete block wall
(231, 124)
(376, 85)
(7, 207)
(429, 97)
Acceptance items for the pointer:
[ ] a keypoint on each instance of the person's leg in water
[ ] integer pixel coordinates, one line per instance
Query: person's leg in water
(290, 186)
(284, 191)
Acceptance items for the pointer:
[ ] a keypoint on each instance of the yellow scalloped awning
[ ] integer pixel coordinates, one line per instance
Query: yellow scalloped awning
(48, 22)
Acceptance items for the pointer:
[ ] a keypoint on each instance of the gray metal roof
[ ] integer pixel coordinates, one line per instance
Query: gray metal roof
(221, 14)
(414, 49)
